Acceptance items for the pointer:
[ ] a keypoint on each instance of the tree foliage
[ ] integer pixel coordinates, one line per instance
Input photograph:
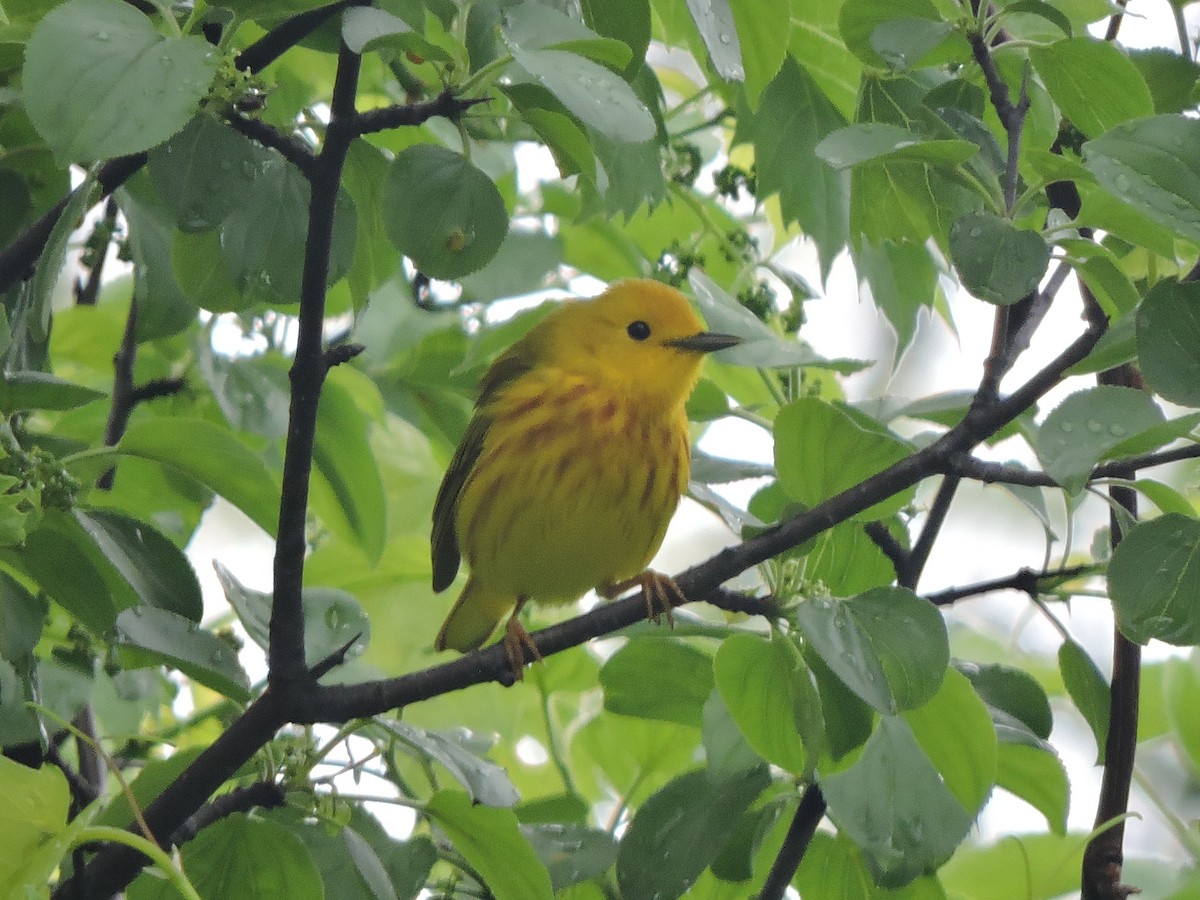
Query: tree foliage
(338, 187)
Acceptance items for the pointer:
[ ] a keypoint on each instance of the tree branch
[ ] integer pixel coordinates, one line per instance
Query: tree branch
(795, 844)
(1028, 581)
(444, 104)
(1104, 856)
(294, 150)
(260, 795)
(19, 257)
(121, 407)
(1001, 473)
(286, 651)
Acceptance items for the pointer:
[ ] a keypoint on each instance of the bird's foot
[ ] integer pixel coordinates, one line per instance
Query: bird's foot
(517, 642)
(661, 592)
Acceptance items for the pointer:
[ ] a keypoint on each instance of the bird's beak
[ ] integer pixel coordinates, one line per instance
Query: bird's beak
(704, 342)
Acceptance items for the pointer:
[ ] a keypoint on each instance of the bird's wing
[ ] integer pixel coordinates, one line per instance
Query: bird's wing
(444, 540)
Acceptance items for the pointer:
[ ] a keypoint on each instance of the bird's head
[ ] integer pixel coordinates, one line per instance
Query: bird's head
(640, 336)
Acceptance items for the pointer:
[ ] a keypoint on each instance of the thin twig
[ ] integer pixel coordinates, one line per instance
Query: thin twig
(291, 148)
(915, 564)
(121, 406)
(1000, 473)
(888, 545)
(444, 104)
(1028, 581)
(260, 795)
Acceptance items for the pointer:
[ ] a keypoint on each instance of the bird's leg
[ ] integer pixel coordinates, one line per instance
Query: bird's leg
(517, 641)
(661, 592)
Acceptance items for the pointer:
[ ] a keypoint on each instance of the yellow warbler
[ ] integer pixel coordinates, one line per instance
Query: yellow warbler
(572, 464)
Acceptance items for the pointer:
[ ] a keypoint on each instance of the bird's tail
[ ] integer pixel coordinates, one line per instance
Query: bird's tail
(474, 618)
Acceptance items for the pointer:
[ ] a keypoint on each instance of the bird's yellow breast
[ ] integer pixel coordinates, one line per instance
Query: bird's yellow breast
(573, 488)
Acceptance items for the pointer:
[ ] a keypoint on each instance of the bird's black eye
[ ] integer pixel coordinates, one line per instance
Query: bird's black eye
(638, 330)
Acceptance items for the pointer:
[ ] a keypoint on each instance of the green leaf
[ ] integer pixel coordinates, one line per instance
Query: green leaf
(763, 30)
(1181, 694)
(954, 729)
(769, 693)
(1086, 425)
(1039, 778)
(715, 21)
(761, 347)
(597, 97)
(1168, 341)
(1029, 865)
(535, 27)
(522, 265)
(880, 142)
(888, 645)
(332, 617)
(679, 831)
(628, 21)
(36, 804)
(893, 804)
(442, 212)
(365, 29)
(204, 172)
(848, 562)
(572, 853)
(1094, 84)
(22, 616)
(147, 636)
(490, 841)
(405, 864)
(791, 120)
(64, 561)
(1014, 691)
(154, 567)
(860, 20)
(1153, 580)
(41, 390)
(240, 858)
(485, 781)
(100, 81)
(153, 778)
(343, 456)
(820, 451)
(164, 308)
(995, 260)
(212, 456)
(1148, 164)
(726, 750)
(1043, 10)
(1169, 76)
(658, 678)
(263, 238)
(1102, 273)
(35, 320)
(902, 279)
(833, 867)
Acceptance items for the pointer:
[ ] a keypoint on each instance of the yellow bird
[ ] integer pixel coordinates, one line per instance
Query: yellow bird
(572, 464)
